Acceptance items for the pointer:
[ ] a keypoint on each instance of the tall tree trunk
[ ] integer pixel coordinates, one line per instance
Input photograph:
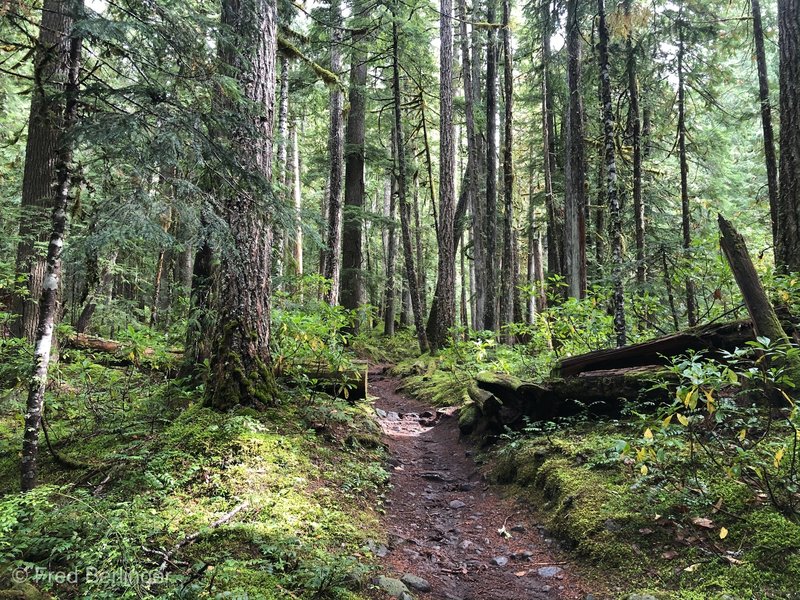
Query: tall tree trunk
(478, 207)
(471, 185)
(45, 128)
(48, 299)
(691, 305)
(507, 275)
(575, 165)
(611, 178)
(766, 120)
(636, 141)
(789, 186)
(405, 216)
(490, 224)
(282, 176)
(352, 295)
(555, 240)
(444, 318)
(390, 244)
(297, 196)
(333, 239)
(241, 360)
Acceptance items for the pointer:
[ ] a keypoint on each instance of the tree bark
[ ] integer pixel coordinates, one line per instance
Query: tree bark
(611, 179)
(352, 295)
(49, 298)
(297, 196)
(241, 362)
(390, 243)
(691, 304)
(405, 217)
(766, 121)
(45, 128)
(444, 318)
(490, 224)
(636, 141)
(575, 165)
(765, 320)
(789, 185)
(282, 176)
(333, 237)
(555, 240)
(507, 275)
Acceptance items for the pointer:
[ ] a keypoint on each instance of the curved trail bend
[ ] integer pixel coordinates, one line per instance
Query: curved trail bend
(442, 518)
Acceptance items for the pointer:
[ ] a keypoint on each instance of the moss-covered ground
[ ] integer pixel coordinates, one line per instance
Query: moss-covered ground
(153, 470)
(646, 533)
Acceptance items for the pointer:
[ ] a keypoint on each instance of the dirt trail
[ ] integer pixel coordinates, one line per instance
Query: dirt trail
(442, 518)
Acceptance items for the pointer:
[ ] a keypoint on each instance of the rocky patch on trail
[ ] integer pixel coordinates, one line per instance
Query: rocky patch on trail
(449, 535)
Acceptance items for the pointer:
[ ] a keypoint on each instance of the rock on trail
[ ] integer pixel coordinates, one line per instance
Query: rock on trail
(451, 536)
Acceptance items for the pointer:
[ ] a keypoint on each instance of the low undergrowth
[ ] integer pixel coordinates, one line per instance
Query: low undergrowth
(147, 493)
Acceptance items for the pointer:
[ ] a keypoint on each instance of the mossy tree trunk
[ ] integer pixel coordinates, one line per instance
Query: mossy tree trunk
(49, 298)
(240, 358)
(45, 127)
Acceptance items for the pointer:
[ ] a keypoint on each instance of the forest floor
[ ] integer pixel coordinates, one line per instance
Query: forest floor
(445, 524)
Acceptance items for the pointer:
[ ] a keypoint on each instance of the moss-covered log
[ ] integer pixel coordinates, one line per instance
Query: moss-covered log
(502, 401)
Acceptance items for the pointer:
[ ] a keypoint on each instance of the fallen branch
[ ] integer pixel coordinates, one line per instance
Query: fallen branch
(189, 539)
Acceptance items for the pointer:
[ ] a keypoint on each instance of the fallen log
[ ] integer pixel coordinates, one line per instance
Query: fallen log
(510, 402)
(716, 337)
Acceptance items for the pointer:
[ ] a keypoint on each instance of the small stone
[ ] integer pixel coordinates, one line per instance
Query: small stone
(381, 413)
(416, 583)
(549, 571)
(393, 416)
(546, 588)
(466, 544)
(519, 528)
(394, 587)
(456, 504)
(406, 596)
(500, 561)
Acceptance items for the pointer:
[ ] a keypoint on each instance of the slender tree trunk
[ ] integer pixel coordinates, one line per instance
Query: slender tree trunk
(691, 305)
(766, 120)
(575, 165)
(240, 360)
(464, 284)
(419, 247)
(45, 128)
(636, 141)
(670, 295)
(282, 176)
(789, 186)
(405, 217)
(390, 243)
(480, 264)
(490, 225)
(444, 318)
(352, 295)
(335, 155)
(611, 179)
(555, 240)
(48, 300)
(508, 289)
(297, 194)
(162, 267)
